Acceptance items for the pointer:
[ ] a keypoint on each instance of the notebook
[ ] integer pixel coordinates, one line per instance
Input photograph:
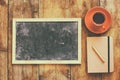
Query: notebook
(100, 54)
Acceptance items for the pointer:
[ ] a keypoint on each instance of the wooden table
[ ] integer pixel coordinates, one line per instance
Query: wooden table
(10, 9)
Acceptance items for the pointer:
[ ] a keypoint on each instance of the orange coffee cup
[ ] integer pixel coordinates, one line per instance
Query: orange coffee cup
(98, 20)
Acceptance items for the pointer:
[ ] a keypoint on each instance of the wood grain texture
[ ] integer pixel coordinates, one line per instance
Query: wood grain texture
(3, 39)
(54, 72)
(21, 9)
(3, 24)
(10, 9)
(47, 72)
(79, 9)
(53, 9)
(113, 7)
(3, 66)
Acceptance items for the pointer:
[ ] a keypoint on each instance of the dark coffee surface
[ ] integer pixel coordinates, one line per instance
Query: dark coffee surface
(98, 18)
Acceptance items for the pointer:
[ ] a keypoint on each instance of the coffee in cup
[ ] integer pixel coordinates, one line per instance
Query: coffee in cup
(98, 18)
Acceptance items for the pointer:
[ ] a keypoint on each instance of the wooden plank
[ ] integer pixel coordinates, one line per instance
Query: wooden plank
(51, 9)
(3, 24)
(78, 8)
(113, 7)
(54, 72)
(54, 9)
(3, 66)
(47, 72)
(21, 9)
(63, 72)
(3, 39)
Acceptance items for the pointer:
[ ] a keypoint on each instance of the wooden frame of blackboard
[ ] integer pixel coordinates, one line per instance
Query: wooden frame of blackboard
(14, 31)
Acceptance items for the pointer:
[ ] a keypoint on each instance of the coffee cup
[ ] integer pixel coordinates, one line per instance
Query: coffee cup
(98, 20)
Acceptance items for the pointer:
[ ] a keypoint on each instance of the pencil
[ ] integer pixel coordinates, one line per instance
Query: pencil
(98, 54)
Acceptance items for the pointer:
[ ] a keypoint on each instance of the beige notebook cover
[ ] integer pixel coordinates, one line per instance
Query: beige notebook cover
(100, 54)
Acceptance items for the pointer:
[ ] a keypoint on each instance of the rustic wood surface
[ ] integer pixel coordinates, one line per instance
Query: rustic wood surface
(10, 9)
(21, 9)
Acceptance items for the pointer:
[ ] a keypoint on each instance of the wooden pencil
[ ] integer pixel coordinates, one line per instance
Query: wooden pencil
(98, 54)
